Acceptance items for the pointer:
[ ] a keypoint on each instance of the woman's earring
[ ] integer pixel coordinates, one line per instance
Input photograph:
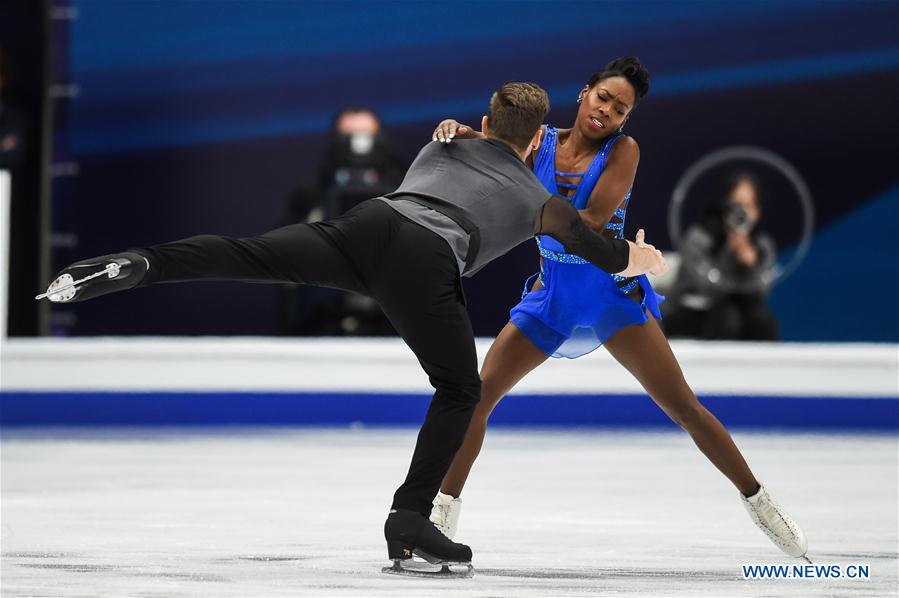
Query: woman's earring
(621, 129)
(579, 98)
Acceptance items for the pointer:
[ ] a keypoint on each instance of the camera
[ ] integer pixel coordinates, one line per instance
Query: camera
(737, 218)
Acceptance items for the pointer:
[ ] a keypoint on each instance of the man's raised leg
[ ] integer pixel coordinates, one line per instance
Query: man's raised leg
(299, 253)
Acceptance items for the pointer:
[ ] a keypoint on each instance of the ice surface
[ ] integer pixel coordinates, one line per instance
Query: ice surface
(300, 513)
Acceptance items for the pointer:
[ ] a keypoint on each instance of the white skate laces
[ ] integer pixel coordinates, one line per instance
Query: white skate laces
(776, 524)
(445, 514)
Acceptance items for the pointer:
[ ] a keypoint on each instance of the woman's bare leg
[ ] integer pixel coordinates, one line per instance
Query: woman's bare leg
(644, 351)
(510, 358)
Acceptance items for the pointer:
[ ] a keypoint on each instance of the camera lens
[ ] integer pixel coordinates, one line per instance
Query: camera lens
(737, 218)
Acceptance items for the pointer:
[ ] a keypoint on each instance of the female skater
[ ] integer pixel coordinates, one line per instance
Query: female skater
(574, 307)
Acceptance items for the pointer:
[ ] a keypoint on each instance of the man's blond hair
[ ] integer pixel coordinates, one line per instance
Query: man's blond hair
(516, 111)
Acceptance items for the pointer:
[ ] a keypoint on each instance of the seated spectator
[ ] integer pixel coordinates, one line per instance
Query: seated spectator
(358, 163)
(726, 271)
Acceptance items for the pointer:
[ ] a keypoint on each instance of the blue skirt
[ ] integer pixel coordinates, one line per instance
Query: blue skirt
(579, 308)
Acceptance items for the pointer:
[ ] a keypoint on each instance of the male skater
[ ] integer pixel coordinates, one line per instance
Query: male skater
(460, 206)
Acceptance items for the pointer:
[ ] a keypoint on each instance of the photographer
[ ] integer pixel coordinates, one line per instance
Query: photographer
(358, 163)
(722, 287)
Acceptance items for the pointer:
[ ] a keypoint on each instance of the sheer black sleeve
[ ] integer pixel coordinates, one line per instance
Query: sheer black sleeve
(560, 220)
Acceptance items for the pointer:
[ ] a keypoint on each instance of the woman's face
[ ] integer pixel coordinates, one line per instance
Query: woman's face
(605, 107)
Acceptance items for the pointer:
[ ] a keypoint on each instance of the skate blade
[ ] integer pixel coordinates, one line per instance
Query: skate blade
(64, 288)
(441, 571)
(60, 290)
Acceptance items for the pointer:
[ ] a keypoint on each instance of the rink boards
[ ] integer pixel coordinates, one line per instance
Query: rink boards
(256, 381)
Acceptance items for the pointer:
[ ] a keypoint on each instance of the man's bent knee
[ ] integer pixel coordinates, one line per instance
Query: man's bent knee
(464, 394)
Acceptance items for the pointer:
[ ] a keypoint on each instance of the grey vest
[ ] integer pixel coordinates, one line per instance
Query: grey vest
(483, 187)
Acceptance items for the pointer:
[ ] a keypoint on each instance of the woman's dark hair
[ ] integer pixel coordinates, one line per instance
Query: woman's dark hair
(628, 67)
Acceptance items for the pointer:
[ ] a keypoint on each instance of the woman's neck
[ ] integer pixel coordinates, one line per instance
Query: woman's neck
(575, 147)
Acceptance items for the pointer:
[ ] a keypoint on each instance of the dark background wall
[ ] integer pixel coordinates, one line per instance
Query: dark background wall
(201, 116)
(24, 44)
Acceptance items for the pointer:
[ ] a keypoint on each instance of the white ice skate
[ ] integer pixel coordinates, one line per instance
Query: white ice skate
(445, 513)
(776, 524)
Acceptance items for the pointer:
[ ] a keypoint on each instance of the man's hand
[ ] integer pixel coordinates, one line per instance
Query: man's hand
(449, 128)
(643, 258)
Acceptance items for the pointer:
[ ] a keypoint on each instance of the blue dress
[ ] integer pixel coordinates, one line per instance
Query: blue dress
(580, 306)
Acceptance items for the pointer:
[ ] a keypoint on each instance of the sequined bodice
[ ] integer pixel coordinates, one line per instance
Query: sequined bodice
(579, 195)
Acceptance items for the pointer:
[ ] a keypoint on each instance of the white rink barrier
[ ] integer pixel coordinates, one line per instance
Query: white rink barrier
(387, 365)
(172, 381)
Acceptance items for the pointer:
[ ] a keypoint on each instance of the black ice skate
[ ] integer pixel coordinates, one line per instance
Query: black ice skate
(97, 276)
(409, 533)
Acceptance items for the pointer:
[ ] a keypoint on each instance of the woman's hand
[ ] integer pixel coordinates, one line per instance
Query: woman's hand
(449, 129)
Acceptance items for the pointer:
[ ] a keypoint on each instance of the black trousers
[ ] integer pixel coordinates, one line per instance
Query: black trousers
(743, 317)
(407, 269)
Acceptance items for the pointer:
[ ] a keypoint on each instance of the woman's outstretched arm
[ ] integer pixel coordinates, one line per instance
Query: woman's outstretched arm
(449, 129)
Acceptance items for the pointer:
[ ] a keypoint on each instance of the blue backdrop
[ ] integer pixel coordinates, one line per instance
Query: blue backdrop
(201, 116)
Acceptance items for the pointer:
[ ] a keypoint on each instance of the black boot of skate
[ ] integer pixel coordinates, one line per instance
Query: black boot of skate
(97, 276)
(408, 533)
